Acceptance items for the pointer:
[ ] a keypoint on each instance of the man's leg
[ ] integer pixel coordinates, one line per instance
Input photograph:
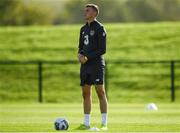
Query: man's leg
(102, 98)
(87, 99)
(103, 103)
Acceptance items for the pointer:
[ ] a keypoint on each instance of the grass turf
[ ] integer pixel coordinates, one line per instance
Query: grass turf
(122, 117)
(130, 41)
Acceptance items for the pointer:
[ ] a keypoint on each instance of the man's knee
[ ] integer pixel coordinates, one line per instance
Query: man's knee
(100, 91)
(101, 94)
(86, 92)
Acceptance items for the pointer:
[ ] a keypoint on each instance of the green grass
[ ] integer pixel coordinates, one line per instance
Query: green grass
(142, 41)
(127, 83)
(122, 117)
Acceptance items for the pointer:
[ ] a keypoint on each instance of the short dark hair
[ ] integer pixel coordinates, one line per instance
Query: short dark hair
(94, 7)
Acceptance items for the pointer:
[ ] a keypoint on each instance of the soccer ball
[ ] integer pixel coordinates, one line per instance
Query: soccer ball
(152, 107)
(61, 124)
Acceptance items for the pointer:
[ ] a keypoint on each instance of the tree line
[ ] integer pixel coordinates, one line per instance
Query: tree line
(18, 12)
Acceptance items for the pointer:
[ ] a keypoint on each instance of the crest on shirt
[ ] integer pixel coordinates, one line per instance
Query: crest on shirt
(92, 32)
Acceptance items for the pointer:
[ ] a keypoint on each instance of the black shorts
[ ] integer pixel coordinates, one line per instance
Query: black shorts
(92, 75)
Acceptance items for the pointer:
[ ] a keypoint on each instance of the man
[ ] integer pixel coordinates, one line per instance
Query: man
(92, 46)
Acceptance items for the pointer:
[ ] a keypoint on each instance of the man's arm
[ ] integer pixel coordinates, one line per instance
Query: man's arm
(82, 59)
(80, 42)
(101, 45)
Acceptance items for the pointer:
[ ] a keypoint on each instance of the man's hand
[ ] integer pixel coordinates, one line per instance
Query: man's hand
(82, 59)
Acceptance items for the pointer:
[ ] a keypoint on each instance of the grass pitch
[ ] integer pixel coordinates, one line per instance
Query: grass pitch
(122, 117)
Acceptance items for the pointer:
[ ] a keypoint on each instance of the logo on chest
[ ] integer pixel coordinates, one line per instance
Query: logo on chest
(92, 32)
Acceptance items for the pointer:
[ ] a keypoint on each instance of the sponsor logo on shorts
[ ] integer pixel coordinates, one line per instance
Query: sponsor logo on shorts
(97, 80)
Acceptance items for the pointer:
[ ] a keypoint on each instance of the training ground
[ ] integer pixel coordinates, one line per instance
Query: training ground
(122, 117)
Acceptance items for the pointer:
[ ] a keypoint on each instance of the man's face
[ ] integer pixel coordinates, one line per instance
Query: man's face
(89, 13)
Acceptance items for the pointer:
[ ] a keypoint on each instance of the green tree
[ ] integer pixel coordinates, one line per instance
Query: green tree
(7, 8)
(108, 10)
(33, 14)
(171, 10)
(73, 11)
(16, 12)
(125, 10)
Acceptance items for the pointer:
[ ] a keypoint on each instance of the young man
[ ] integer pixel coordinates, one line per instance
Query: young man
(92, 46)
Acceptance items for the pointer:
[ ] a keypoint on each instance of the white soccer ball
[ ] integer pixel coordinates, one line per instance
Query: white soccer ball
(61, 124)
(152, 107)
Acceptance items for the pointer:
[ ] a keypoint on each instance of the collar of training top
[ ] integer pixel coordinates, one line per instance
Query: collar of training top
(91, 24)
